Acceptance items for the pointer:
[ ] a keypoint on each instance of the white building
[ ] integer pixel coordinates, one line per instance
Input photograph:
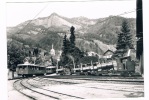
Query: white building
(91, 53)
(52, 51)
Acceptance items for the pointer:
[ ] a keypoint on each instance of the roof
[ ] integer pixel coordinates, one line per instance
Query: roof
(125, 57)
(108, 51)
(28, 64)
(88, 59)
(51, 67)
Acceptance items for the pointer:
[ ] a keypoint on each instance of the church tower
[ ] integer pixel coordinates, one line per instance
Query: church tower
(52, 52)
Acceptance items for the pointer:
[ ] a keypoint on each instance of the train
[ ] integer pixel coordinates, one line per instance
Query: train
(90, 69)
(96, 68)
(113, 67)
(28, 70)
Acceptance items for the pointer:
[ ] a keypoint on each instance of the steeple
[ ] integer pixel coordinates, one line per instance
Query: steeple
(52, 52)
(52, 45)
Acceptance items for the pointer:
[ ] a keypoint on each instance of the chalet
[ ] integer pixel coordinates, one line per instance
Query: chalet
(108, 54)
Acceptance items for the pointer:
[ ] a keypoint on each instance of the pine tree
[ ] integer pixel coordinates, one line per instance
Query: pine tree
(69, 50)
(72, 36)
(65, 49)
(124, 39)
(36, 52)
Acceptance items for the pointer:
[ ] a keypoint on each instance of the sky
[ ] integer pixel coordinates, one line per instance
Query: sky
(20, 12)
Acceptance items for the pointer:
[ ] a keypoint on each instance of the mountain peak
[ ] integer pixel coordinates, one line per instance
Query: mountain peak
(54, 14)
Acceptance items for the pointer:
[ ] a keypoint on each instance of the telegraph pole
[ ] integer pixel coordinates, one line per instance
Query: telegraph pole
(139, 35)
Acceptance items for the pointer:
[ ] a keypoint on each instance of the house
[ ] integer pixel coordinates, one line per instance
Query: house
(91, 53)
(108, 54)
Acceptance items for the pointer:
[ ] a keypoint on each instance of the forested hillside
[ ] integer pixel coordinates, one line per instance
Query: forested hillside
(96, 35)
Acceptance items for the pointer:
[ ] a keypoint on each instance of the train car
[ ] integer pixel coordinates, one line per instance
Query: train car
(60, 71)
(50, 69)
(28, 70)
(104, 68)
(85, 69)
(76, 71)
(97, 68)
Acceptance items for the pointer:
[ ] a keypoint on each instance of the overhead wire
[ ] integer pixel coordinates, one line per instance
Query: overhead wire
(33, 18)
(124, 13)
(61, 1)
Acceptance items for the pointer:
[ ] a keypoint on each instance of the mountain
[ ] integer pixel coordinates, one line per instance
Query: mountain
(96, 35)
(106, 29)
(54, 22)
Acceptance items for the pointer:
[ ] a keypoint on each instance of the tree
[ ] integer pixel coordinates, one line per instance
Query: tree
(65, 50)
(36, 52)
(66, 45)
(72, 36)
(69, 50)
(15, 53)
(124, 41)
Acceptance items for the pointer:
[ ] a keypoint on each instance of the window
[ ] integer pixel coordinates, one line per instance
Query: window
(37, 68)
(88, 64)
(23, 67)
(94, 64)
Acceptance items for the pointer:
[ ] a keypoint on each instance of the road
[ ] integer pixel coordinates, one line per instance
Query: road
(83, 87)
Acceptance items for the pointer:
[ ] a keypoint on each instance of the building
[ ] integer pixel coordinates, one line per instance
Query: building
(91, 53)
(108, 54)
(52, 51)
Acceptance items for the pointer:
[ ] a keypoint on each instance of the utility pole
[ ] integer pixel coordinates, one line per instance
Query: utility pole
(139, 35)
(74, 65)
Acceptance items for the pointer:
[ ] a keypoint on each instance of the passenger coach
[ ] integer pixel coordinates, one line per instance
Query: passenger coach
(50, 69)
(28, 70)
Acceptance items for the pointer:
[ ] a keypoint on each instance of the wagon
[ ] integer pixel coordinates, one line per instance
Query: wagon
(50, 69)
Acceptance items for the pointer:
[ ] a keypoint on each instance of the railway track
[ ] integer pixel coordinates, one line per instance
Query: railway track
(41, 88)
(124, 89)
(32, 93)
(17, 85)
(36, 92)
(82, 80)
(55, 93)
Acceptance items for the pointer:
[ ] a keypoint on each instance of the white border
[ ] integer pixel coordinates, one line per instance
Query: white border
(3, 50)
